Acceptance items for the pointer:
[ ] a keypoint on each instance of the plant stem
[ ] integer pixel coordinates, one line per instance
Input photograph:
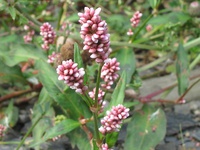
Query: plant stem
(29, 131)
(97, 85)
(194, 62)
(134, 45)
(8, 143)
(141, 27)
(152, 64)
(95, 114)
(60, 16)
(192, 43)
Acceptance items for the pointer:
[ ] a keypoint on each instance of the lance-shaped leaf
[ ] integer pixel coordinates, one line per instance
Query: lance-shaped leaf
(68, 100)
(43, 105)
(119, 91)
(63, 127)
(126, 58)
(146, 129)
(16, 53)
(78, 60)
(182, 67)
(11, 74)
(77, 56)
(12, 12)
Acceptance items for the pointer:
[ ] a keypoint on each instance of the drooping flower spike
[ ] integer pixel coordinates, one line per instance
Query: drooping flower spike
(95, 35)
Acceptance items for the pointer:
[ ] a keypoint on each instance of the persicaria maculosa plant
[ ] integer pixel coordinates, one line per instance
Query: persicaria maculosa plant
(81, 84)
(96, 41)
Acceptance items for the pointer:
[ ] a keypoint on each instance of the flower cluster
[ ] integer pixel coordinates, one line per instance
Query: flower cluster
(109, 72)
(2, 130)
(52, 58)
(95, 35)
(135, 20)
(113, 119)
(72, 76)
(29, 37)
(130, 32)
(105, 147)
(149, 27)
(48, 34)
(100, 98)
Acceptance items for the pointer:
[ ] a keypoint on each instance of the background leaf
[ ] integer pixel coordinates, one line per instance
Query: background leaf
(118, 93)
(182, 67)
(146, 129)
(16, 53)
(11, 74)
(126, 58)
(63, 127)
(10, 115)
(12, 12)
(43, 105)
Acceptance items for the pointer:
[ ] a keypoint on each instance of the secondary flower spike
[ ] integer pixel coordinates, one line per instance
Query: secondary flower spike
(100, 98)
(113, 119)
(48, 34)
(135, 20)
(95, 35)
(72, 76)
(109, 72)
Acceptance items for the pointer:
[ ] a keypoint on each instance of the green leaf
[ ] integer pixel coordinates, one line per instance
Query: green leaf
(43, 105)
(11, 74)
(146, 129)
(11, 114)
(173, 18)
(8, 39)
(111, 138)
(127, 61)
(78, 60)
(154, 3)
(118, 94)
(63, 127)
(16, 53)
(79, 138)
(12, 12)
(68, 100)
(182, 69)
(77, 56)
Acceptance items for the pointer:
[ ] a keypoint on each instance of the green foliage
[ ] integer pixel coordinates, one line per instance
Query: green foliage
(10, 115)
(182, 69)
(126, 58)
(146, 129)
(68, 100)
(21, 63)
(118, 94)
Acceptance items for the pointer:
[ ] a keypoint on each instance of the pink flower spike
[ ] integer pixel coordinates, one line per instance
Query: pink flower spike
(130, 32)
(109, 72)
(46, 30)
(113, 119)
(51, 58)
(94, 33)
(135, 20)
(72, 76)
